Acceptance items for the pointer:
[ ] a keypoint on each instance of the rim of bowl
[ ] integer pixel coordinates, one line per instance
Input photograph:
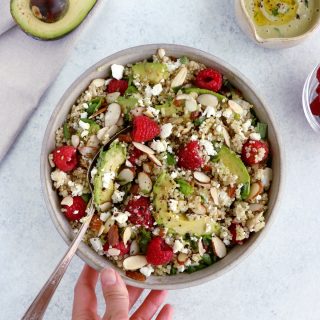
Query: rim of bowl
(87, 254)
(275, 40)
(308, 96)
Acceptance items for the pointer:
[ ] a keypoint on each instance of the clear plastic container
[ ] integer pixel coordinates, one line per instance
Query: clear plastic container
(308, 95)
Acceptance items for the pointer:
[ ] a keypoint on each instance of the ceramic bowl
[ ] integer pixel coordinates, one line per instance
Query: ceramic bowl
(246, 24)
(99, 70)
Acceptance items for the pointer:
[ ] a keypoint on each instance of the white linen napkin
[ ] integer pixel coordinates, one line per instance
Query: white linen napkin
(27, 68)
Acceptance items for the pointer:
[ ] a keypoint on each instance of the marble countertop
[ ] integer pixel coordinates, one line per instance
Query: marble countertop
(280, 279)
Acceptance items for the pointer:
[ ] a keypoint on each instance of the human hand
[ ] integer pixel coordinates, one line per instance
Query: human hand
(119, 298)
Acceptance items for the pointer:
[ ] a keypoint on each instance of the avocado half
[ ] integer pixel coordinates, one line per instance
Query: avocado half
(24, 17)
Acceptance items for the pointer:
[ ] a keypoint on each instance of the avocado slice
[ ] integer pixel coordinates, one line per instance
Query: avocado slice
(230, 160)
(177, 223)
(152, 72)
(204, 91)
(109, 162)
(169, 109)
(30, 24)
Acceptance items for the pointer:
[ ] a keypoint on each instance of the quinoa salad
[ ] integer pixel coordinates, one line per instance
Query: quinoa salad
(183, 185)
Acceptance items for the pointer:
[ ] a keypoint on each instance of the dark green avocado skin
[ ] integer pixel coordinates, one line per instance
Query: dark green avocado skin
(43, 38)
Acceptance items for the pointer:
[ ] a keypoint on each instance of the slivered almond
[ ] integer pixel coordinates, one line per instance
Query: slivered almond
(120, 122)
(126, 235)
(143, 148)
(67, 201)
(113, 252)
(255, 190)
(191, 105)
(201, 177)
(109, 223)
(101, 110)
(147, 167)
(182, 257)
(134, 262)
(101, 230)
(201, 249)
(219, 247)
(235, 107)
(105, 206)
(135, 275)
(112, 97)
(93, 141)
(134, 248)
(179, 79)
(184, 97)
(214, 195)
(112, 115)
(88, 152)
(208, 100)
(75, 140)
(226, 136)
(155, 160)
(254, 207)
(144, 182)
(125, 176)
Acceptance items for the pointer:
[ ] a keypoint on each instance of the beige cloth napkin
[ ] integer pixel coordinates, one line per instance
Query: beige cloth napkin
(27, 68)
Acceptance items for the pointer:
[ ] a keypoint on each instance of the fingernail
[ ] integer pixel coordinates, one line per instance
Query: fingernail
(108, 277)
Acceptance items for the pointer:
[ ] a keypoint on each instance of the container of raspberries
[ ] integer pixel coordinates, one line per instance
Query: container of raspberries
(311, 99)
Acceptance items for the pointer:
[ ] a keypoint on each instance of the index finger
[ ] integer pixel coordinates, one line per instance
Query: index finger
(85, 300)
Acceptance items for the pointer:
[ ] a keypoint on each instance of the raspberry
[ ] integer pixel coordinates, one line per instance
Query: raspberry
(209, 79)
(318, 90)
(233, 231)
(140, 213)
(134, 155)
(65, 158)
(120, 246)
(254, 151)
(144, 129)
(77, 210)
(117, 86)
(189, 157)
(318, 74)
(158, 252)
(315, 106)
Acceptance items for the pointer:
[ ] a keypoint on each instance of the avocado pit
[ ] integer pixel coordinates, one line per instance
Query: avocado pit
(49, 11)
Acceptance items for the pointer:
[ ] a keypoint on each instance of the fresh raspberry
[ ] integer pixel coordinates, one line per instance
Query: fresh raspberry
(77, 210)
(144, 129)
(318, 74)
(209, 79)
(233, 231)
(140, 213)
(318, 90)
(254, 151)
(120, 246)
(315, 106)
(158, 252)
(189, 157)
(134, 155)
(117, 86)
(65, 158)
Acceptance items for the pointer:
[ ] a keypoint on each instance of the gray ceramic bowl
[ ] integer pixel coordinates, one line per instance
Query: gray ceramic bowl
(100, 70)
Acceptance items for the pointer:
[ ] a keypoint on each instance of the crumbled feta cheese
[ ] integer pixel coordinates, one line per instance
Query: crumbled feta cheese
(173, 205)
(121, 217)
(208, 227)
(85, 106)
(84, 115)
(255, 136)
(59, 177)
(147, 270)
(266, 177)
(209, 112)
(158, 146)
(227, 113)
(219, 128)
(174, 174)
(96, 244)
(107, 178)
(129, 164)
(177, 246)
(117, 71)
(84, 125)
(94, 171)
(84, 133)
(171, 66)
(208, 146)
(104, 216)
(148, 91)
(76, 188)
(117, 196)
(153, 111)
(157, 89)
(166, 130)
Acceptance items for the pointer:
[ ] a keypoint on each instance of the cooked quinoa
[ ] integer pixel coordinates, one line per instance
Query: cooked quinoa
(224, 204)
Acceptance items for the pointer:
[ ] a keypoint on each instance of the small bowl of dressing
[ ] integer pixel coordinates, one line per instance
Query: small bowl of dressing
(278, 23)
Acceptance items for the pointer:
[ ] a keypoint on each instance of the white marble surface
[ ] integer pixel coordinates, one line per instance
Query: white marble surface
(280, 280)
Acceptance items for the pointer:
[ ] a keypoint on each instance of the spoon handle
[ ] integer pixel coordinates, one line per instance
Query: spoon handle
(40, 303)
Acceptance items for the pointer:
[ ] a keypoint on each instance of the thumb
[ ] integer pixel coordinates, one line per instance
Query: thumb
(115, 294)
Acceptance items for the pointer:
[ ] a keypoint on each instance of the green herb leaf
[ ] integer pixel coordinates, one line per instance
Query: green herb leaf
(275, 11)
(206, 259)
(130, 90)
(245, 191)
(94, 127)
(66, 132)
(171, 160)
(184, 60)
(262, 128)
(199, 121)
(145, 237)
(86, 197)
(185, 187)
(94, 105)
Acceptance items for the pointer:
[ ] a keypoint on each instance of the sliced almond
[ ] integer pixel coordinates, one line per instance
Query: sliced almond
(107, 132)
(105, 206)
(235, 107)
(134, 248)
(101, 230)
(50, 158)
(113, 252)
(88, 152)
(182, 257)
(143, 148)
(254, 207)
(208, 100)
(266, 177)
(93, 141)
(251, 223)
(112, 97)
(255, 190)
(138, 111)
(125, 176)
(134, 262)
(97, 82)
(214, 195)
(112, 115)
(201, 249)
(155, 160)
(199, 209)
(144, 182)
(101, 110)
(147, 167)
(67, 201)
(161, 53)
(75, 140)
(120, 122)
(191, 105)
(219, 247)
(135, 275)
(179, 79)
(226, 136)
(126, 235)
(184, 97)
(101, 133)
(201, 177)
(109, 223)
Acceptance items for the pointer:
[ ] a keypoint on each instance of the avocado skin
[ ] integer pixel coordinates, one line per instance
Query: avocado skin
(152, 72)
(14, 10)
(109, 161)
(177, 223)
